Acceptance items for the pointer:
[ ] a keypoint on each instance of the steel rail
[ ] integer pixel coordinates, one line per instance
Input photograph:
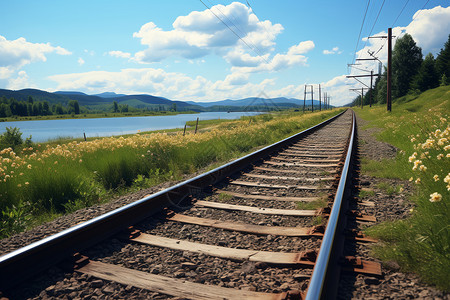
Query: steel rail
(25, 262)
(321, 267)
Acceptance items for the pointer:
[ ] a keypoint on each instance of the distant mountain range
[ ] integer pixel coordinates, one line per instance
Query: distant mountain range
(104, 101)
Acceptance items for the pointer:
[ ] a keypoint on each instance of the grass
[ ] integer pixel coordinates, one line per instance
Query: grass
(418, 126)
(59, 177)
(366, 194)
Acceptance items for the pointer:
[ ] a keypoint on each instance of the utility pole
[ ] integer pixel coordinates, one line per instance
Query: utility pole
(389, 71)
(312, 96)
(320, 99)
(362, 94)
(371, 89)
(304, 100)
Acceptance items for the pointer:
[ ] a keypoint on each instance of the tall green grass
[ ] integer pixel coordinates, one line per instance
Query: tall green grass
(60, 183)
(420, 243)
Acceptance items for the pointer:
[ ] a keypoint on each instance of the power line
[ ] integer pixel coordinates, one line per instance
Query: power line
(400, 13)
(234, 24)
(421, 10)
(360, 30)
(234, 32)
(370, 33)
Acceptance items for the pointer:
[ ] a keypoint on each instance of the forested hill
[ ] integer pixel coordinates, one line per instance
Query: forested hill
(34, 102)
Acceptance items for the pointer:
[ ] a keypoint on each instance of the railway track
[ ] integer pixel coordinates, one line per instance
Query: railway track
(245, 230)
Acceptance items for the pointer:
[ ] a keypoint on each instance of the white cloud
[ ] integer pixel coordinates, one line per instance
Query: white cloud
(201, 33)
(335, 50)
(431, 28)
(81, 61)
(173, 85)
(18, 53)
(20, 82)
(119, 54)
(293, 57)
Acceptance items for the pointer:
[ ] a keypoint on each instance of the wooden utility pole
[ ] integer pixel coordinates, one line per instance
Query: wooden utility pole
(362, 98)
(371, 89)
(304, 100)
(320, 100)
(389, 71)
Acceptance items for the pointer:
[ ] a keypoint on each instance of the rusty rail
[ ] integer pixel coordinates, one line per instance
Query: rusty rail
(322, 266)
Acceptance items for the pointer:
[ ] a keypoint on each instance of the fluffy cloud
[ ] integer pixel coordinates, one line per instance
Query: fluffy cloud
(335, 50)
(280, 61)
(18, 53)
(119, 54)
(173, 85)
(20, 82)
(201, 33)
(429, 28)
(81, 61)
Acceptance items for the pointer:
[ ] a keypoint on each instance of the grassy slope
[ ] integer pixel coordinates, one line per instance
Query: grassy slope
(421, 243)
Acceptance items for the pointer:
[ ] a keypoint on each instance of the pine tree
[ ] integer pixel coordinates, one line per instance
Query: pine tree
(443, 60)
(427, 77)
(406, 61)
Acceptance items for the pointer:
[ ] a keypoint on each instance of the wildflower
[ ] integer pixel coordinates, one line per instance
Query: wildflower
(56, 162)
(401, 190)
(411, 158)
(442, 141)
(413, 140)
(19, 185)
(446, 148)
(448, 155)
(416, 164)
(27, 183)
(440, 156)
(422, 168)
(80, 161)
(418, 181)
(447, 178)
(29, 166)
(435, 197)
(436, 177)
(21, 174)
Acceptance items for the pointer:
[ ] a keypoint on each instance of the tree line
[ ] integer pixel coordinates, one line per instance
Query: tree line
(411, 73)
(12, 107)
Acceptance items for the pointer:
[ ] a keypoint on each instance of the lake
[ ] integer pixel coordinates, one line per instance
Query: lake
(44, 130)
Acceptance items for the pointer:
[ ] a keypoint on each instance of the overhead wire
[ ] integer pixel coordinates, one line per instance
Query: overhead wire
(234, 32)
(360, 30)
(396, 19)
(259, 52)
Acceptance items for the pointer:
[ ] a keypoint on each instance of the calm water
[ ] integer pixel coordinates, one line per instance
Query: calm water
(50, 129)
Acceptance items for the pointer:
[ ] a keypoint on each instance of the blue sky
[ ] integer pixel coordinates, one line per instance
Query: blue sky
(182, 51)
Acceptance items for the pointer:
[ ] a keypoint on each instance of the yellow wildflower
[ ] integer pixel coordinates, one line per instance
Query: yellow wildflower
(411, 179)
(436, 177)
(27, 183)
(422, 168)
(442, 141)
(435, 197)
(29, 166)
(19, 185)
(417, 181)
(440, 156)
